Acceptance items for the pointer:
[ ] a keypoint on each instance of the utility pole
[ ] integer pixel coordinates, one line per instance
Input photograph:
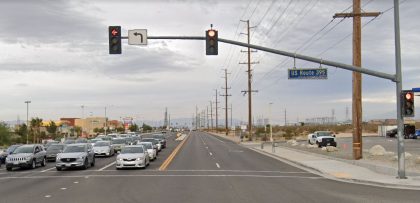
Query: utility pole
(357, 77)
(207, 117)
(196, 116)
(226, 95)
(27, 121)
(106, 121)
(211, 114)
(217, 112)
(231, 113)
(83, 119)
(249, 91)
(269, 120)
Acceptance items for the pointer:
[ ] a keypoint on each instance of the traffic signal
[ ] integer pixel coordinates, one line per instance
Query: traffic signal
(407, 101)
(211, 42)
(114, 39)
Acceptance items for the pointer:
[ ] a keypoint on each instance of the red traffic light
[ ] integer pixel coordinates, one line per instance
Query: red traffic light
(409, 96)
(114, 32)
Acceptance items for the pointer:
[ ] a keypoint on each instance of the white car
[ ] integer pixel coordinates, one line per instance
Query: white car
(322, 138)
(150, 150)
(103, 148)
(133, 156)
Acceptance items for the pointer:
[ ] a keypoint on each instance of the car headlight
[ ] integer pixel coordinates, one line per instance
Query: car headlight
(119, 159)
(139, 159)
(28, 158)
(81, 157)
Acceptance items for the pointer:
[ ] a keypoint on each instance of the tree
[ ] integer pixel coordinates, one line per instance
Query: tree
(98, 130)
(134, 128)
(120, 129)
(4, 134)
(146, 127)
(52, 128)
(77, 130)
(35, 128)
(22, 130)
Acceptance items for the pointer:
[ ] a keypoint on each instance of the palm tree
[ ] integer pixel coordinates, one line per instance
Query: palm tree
(36, 124)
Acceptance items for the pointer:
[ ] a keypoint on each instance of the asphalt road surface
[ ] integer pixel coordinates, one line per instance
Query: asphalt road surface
(205, 169)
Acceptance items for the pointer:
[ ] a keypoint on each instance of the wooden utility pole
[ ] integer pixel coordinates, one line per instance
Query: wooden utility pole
(226, 95)
(211, 114)
(357, 78)
(249, 91)
(217, 112)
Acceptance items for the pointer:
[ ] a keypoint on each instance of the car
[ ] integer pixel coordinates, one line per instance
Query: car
(161, 138)
(322, 139)
(53, 150)
(69, 141)
(8, 151)
(118, 143)
(103, 148)
(27, 156)
(392, 132)
(409, 131)
(132, 156)
(93, 141)
(150, 150)
(81, 140)
(417, 133)
(79, 155)
(49, 143)
(128, 140)
(155, 143)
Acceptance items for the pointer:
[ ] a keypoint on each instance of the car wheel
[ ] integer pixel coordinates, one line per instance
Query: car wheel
(86, 164)
(33, 164)
(319, 144)
(9, 168)
(44, 162)
(58, 168)
(93, 162)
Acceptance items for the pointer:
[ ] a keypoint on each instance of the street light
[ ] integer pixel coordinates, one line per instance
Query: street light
(27, 121)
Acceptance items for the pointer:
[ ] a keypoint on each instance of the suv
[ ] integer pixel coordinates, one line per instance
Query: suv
(322, 139)
(76, 155)
(26, 156)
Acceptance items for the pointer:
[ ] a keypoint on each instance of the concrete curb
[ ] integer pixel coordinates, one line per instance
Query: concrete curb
(376, 168)
(328, 176)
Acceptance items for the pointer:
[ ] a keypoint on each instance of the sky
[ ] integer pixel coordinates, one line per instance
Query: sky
(54, 53)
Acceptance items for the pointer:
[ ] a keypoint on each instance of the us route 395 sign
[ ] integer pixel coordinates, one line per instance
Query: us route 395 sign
(137, 37)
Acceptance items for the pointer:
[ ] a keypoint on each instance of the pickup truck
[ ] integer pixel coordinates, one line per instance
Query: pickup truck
(322, 138)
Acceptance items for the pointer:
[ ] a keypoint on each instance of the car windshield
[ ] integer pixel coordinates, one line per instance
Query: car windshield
(324, 133)
(150, 140)
(130, 150)
(81, 141)
(74, 148)
(101, 144)
(24, 149)
(69, 142)
(146, 145)
(95, 140)
(55, 147)
(118, 141)
(12, 148)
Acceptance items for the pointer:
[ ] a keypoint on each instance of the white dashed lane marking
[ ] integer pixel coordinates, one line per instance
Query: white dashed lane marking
(218, 166)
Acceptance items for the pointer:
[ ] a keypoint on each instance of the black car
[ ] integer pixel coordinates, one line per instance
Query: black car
(161, 138)
(53, 150)
(9, 150)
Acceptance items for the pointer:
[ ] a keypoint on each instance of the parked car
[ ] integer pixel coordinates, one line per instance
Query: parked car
(409, 131)
(93, 141)
(155, 143)
(26, 156)
(103, 148)
(128, 140)
(53, 150)
(150, 150)
(76, 156)
(161, 138)
(322, 139)
(392, 132)
(417, 133)
(69, 141)
(133, 156)
(49, 143)
(8, 151)
(118, 143)
(81, 140)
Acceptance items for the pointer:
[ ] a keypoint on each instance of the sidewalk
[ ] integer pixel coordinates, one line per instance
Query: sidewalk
(334, 168)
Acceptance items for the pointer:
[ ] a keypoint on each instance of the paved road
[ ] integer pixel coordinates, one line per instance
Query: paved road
(206, 169)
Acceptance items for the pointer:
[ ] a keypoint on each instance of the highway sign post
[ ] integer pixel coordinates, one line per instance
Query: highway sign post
(137, 37)
(315, 73)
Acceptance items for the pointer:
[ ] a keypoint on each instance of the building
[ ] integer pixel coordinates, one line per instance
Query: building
(89, 124)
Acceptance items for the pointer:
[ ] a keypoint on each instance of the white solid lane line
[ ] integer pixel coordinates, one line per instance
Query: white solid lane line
(107, 166)
(218, 166)
(47, 169)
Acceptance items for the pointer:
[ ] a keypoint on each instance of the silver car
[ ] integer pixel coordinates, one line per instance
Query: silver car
(133, 156)
(150, 150)
(76, 155)
(103, 148)
(26, 156)
(118, 143)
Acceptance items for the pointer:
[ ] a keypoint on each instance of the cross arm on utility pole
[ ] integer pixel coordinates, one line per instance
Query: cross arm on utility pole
(363, 14)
